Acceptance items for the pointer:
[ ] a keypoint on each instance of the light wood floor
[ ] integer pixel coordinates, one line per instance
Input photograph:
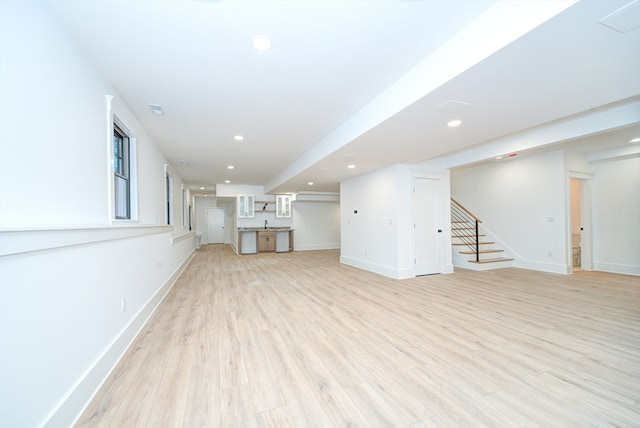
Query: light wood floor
(298, 340)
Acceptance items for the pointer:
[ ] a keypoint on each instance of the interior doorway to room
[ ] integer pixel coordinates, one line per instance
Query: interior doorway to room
(427, 245)
(580, 225)
(215, 225)
(576, 224)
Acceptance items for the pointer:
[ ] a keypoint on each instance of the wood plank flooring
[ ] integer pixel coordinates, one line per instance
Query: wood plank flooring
(298, 340)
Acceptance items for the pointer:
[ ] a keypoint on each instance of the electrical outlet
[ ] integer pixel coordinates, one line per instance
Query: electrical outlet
(123, 304)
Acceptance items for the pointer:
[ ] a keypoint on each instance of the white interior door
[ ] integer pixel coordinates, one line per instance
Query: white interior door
(426, 235)
(215, 225)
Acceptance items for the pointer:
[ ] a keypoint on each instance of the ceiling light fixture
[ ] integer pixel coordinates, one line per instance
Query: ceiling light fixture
(238, 137)
(310, 183)
(351, 166)
(635, 140)
(230, 167)
(227, 181)
(454, 123)
(202, 188)
(498, 157)
(156, 109)
(184, 162)
(261, 43)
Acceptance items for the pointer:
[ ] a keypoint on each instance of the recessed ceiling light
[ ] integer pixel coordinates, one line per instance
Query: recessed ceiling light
(261, 43)
(635, 140)
(230, 167)
(238, 138)
(184, 162)
(498, 157)
(202, 188)
(351, 166)
(310, 183)
(454, 123)
(156, 109)
(227, 181)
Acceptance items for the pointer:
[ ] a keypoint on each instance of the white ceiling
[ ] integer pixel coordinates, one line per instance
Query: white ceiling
(352, 82)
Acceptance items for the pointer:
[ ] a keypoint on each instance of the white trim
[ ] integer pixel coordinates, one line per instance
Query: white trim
(18, 241)
(618, 268)
(314, 247)
(540, 266)
(133, 167)
(379, 269)
(586, 241)
(76, 402)
(109, 146)
(168, 195)
(182, 236)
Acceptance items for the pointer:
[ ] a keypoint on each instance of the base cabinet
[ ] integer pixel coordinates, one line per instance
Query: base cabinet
(254, 241)
(266, 242)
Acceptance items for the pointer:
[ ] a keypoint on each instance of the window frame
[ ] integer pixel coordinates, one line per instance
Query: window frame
(168, 195)
(132, 197)
(121, 171)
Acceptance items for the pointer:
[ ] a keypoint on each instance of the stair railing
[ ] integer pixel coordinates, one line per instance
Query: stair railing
(461, 216)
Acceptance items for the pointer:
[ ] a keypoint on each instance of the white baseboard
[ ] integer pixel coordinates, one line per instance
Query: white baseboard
(617, 268)
(334, 246)
(379, 269)
(74, 404)
(541, 266)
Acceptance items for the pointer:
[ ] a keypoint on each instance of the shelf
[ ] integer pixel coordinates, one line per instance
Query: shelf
(265, 211)
(265, 202)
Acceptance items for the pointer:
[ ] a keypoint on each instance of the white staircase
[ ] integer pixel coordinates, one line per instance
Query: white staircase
(472, 247)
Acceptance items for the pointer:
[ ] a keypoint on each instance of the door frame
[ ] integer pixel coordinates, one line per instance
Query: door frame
(586, 238)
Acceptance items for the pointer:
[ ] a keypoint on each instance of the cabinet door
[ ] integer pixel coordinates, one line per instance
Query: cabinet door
(283, 206)
(245, 206)
(266, 242)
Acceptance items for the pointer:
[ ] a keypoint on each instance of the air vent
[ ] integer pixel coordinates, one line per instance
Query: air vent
(156, 109)
(452, 106)
(624, 19)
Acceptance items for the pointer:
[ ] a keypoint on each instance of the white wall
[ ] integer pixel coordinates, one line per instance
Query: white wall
(379, 236)
(316, 224)
(368, 217)
(521, 202)
(616, 215)
(64, 265)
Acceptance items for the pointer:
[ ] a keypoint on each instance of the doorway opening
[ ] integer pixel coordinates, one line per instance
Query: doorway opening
(579, 233)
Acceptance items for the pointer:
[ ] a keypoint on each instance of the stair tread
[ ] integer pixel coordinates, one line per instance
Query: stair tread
(467, 236)
(466, 244)
(498, 259)
(482, 251)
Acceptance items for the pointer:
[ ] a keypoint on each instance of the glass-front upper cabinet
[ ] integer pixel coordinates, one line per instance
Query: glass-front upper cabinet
(283, 206)
(245, 206)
